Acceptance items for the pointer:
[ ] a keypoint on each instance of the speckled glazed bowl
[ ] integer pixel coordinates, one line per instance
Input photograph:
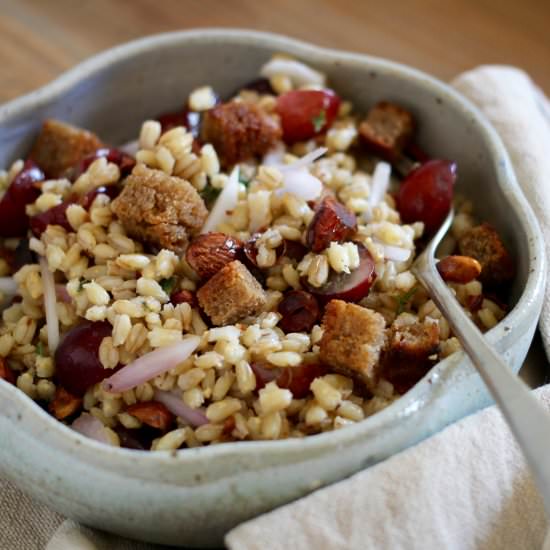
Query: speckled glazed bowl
(192, 497)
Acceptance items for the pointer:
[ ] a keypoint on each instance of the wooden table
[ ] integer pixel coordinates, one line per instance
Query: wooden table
(39, 38)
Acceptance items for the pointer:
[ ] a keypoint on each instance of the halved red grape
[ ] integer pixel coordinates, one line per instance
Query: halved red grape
(183, 297)
(350, 287)
(57, 215)
(299, 310)
(53, 216)
(306, 113)
(23, 190)
(264, 373)
(426, 194)
(294, 250)
(123, 160)
(187, 118)
(77, 358)
(298, 379)
(260, 85)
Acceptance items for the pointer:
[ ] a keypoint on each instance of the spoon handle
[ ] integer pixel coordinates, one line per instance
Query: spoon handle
(527, 419)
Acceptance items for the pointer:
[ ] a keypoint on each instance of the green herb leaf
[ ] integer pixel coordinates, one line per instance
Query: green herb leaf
(40, 349)
(319, 120)
(244, 181)
(83, 282)
(168, 284)
(209, 194)
(404, 299)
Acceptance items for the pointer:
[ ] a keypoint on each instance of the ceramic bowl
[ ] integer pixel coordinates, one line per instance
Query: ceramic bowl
(192, 497)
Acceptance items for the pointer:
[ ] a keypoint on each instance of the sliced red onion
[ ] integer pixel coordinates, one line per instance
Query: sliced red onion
(379, 183)
(62, 294)
(8, 286)
(275, 156)
(52, 321)
(130, 148)
(300, 73)
(305, 161)
(226, 203)
(302, 184)
(194, 417)
(396, 253)
(152, 364)
(91, 427)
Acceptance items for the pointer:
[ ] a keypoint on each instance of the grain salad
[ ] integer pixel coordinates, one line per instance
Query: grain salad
(239, 272)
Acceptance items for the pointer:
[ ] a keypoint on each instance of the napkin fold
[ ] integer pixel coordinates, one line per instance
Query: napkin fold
(465, 488)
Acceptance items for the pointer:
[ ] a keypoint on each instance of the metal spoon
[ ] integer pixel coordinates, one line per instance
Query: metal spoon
(528, 421)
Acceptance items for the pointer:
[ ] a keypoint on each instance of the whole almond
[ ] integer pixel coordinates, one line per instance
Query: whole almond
(208, 253)
(153, 414)
(64, 404)
(459, 269)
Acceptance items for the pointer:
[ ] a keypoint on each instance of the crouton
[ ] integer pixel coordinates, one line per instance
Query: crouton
(353, 337)
(231, 294)
(483, 243)
(411, 343)
(387, 130)
(160, 209)
(60, 146)
(239, 131)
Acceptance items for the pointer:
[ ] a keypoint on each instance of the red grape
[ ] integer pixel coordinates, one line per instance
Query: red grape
(57, 215)
(426, 194)
(306, 113)
(350, 287)
(123, 160)
(183, 297)
(77, 358)
(23, 190)
(300, 311)
(298, 379)
(190, 119)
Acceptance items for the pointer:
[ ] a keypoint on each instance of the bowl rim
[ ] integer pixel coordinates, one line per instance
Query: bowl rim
(74, 443)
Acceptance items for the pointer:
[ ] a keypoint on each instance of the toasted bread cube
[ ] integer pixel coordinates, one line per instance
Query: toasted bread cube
(411, 343)
(483, 243)
(239, 131)
(60, 146)
(231, 294)
(160, 209)
(353, 337)
(387, 130)
(412, 340)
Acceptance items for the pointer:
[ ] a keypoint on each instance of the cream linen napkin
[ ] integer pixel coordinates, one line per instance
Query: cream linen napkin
(465, 488)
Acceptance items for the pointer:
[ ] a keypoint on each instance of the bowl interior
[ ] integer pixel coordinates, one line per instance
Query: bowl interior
(114, 100)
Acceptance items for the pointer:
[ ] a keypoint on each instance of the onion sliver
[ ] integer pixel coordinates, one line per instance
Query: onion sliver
(8, 286)
(152, 364)
(62, 294)
(302, 184)
(396, 253)
(52, 321)
(274, 157)
(380, 182)
(130, 148)
(299, 73)
(226, 202)
(305, 161)
(194, 417)
(91, 427)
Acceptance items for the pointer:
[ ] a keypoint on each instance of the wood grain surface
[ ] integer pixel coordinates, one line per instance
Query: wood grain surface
(39, 39)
